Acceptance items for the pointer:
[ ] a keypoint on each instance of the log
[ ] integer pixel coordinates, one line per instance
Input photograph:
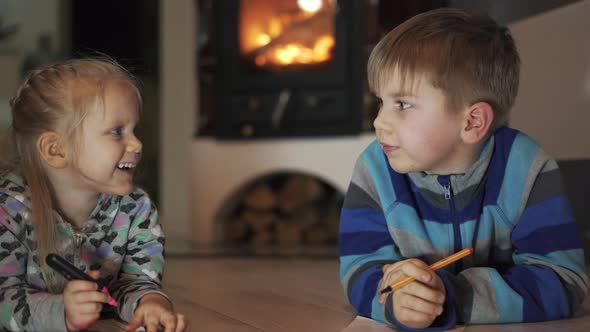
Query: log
(297, 191)
(260, 197)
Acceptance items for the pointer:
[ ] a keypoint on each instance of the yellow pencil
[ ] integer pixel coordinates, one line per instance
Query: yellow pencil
(443, 262)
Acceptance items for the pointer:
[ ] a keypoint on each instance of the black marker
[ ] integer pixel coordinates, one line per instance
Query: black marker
(71, 272)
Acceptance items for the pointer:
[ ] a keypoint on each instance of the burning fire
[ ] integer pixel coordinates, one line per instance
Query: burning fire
(296, 53)
(283, 35)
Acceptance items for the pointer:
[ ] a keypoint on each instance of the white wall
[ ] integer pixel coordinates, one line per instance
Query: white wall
(553, 105)
(221, 168)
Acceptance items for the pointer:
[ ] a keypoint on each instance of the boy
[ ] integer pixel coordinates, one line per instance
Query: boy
(446, 174)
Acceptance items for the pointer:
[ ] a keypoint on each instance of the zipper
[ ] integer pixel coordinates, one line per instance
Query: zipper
(447, 191)
(78, 238)
(458, 245)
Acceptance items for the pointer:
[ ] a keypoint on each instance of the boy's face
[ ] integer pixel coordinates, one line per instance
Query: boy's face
(109, 151)
(416, 130)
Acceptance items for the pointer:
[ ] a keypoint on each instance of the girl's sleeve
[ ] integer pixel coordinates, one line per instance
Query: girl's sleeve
(23, 307)
(366, 245)
(141, 270)
(547, 279)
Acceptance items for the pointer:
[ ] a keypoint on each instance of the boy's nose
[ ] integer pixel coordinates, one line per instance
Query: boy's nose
(378, 123)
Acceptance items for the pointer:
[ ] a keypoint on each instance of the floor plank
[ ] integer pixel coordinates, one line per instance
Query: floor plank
(262, 295)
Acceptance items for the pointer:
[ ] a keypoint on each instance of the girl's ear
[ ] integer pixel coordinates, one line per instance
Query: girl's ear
(477, 122)
(48, 144)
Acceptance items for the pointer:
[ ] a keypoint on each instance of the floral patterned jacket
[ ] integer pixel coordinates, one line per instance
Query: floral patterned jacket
(122, 238)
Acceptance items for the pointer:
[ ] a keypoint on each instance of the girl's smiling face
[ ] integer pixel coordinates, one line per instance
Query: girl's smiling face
(109, 151)
(416, 129)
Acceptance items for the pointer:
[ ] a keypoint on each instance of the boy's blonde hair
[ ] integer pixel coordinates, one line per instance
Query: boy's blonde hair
(56, 96)
(464, 53)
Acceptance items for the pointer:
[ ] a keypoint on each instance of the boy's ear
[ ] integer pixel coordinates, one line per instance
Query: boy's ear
(477, 122)
(48, 145)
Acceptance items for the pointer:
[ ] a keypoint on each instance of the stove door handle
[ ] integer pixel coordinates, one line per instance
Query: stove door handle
(279, 110)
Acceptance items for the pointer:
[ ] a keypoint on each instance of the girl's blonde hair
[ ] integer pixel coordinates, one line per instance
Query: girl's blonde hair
(465, 53)
(55, 96)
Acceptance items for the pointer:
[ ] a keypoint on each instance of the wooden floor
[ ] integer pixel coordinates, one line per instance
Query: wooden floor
(303, 295)
(243, 294)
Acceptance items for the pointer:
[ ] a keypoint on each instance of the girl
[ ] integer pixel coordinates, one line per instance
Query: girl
(66, 187)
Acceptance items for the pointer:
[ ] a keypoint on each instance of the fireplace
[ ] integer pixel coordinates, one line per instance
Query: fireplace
(288, 68)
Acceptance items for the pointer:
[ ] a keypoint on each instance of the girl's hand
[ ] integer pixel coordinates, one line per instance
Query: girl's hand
(154, 310)
(417, 304)
(83, 303)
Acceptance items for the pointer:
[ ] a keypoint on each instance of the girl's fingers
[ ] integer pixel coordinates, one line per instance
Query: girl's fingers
(80, 286)
(84, 297)
(151, 324)
(181, 323)
(135, 323)
(168, 320)
(88, 308)
(94, 274)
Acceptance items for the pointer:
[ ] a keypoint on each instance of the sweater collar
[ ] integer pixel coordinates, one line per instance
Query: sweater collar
(464, 186)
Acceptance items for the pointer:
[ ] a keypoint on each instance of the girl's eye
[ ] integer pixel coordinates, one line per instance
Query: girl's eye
(402, 105)
(117, 131)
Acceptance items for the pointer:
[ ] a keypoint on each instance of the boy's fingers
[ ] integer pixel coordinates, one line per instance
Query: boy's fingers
(420, 305)
(425, 292)
(420, 272)
(383, 297)
(407, 315)
(390, 278)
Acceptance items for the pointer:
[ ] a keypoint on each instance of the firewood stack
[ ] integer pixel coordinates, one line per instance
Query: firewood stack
(289, 210)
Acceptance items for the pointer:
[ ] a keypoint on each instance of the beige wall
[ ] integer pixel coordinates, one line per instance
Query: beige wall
(177, 116)
(33, 18)
(553, 105)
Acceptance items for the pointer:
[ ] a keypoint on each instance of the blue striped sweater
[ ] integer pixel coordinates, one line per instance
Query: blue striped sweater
(510, 206)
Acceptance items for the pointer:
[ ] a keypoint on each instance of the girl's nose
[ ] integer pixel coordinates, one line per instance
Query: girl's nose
(134, 145)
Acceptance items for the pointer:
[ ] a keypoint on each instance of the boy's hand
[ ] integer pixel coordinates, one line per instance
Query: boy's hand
(417, 304)
(154, 310)
(83, 303)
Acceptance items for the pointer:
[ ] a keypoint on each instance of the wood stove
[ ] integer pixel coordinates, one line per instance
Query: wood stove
(288, 68)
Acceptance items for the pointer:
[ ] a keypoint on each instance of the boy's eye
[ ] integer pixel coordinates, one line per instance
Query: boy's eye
(401, 105)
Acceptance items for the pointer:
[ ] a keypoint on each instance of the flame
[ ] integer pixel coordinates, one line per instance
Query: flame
(296, 53)
(305, 46)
